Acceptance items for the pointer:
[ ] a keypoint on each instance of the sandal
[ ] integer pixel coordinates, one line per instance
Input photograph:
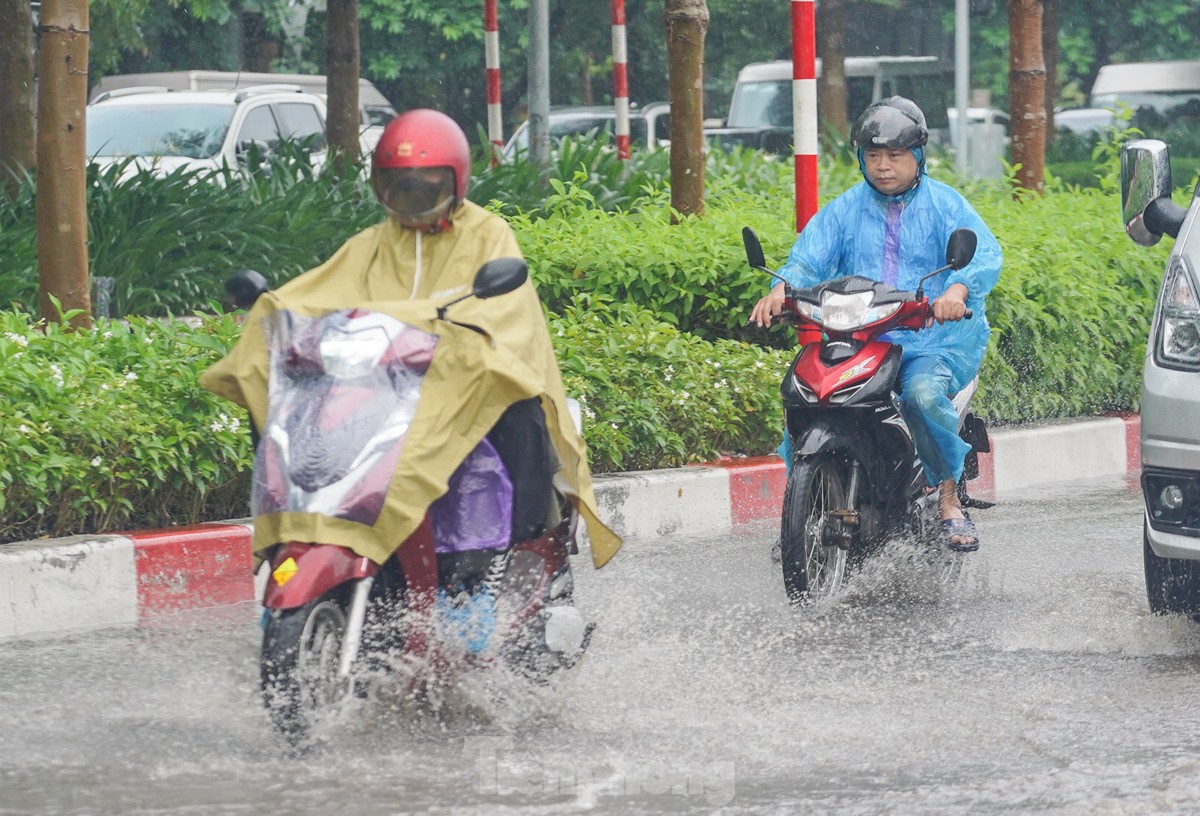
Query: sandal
(964, 530)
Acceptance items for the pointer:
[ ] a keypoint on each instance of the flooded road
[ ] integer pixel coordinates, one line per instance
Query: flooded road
(1040, 684)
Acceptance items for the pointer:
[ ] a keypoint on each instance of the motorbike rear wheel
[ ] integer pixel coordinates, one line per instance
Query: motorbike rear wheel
(813, 567)
(299, 669)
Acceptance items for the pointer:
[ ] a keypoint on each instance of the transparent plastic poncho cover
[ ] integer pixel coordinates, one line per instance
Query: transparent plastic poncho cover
(343, 391)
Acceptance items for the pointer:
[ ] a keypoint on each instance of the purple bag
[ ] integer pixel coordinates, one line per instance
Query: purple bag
(476, 512)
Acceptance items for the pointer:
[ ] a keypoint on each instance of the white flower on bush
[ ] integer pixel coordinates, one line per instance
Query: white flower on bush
(19, 339)
(96, 460)
(722, 383)
(758, 363)
(105, 387)
(224, 422)
(131, 377)
(107, 335)
(24, 429)
(56, 374)
(615, 427)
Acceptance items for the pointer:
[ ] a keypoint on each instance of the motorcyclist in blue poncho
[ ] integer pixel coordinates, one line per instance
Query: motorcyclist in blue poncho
(893, 227)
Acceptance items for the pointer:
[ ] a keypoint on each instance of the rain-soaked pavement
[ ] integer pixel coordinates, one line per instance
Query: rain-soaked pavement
(1040, 684)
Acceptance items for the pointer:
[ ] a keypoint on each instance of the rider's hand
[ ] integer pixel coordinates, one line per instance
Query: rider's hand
(952, 305)
(768, 307)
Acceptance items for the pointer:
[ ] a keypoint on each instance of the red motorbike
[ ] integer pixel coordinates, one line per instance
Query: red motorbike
(343, 390)
(855, 480)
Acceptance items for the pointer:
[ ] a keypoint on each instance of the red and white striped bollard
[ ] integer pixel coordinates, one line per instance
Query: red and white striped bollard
(804, 108)
(491, 42)
(620, 78)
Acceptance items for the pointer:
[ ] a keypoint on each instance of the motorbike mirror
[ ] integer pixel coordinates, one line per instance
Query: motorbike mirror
(499, 277)
(960, 249)
(754, 253)
(754, 250)
(244, 288)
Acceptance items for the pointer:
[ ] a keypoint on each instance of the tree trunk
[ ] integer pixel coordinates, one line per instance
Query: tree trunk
(831, 87)
(17, 150)
(62, 161)
(1027, 92)
(342, 124)
(1050, 52)
(687, 23)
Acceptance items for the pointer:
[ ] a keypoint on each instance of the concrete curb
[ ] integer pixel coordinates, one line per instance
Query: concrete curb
(84, 582)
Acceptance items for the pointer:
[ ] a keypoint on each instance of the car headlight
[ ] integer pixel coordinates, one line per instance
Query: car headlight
(352, 354)
(1178, 341)
(849, 312)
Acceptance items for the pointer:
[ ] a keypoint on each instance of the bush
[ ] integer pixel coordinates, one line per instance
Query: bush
(108, 429)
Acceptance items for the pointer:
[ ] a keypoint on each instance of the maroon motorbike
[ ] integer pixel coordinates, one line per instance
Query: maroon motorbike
(855, 480)
(457, 594)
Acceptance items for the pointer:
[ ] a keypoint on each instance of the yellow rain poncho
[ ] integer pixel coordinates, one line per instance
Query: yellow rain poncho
(470, 382)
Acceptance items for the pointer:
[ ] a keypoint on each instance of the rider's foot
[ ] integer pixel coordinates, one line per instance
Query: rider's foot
(958, 528)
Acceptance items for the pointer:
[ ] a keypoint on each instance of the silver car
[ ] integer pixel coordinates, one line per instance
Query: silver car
(1171, 382)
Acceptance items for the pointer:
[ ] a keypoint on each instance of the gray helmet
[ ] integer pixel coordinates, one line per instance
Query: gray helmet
(893, 122)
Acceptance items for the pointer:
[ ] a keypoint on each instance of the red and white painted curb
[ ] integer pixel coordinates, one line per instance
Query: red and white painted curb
(85, 582)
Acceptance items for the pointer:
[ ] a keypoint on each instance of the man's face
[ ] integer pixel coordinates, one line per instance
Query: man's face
(890, 170)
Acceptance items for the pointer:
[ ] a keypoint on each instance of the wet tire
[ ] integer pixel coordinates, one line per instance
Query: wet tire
(811, 568)
(300, 653)
(1172, 584)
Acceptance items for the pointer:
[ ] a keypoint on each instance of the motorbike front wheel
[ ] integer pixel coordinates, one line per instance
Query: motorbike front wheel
(300, 654)
(813, 564)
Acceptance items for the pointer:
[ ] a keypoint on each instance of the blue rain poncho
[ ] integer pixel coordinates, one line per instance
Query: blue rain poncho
(897, 240)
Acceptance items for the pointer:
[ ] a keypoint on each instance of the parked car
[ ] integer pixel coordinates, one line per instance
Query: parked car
(1168, 88)
(649, 126)
(1159, 94)
(760, 111)
(201, 130)
(1083, 121)
(374, 108)
(1170, 407)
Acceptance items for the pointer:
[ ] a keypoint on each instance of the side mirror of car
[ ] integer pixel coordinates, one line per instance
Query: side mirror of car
(1146, 206)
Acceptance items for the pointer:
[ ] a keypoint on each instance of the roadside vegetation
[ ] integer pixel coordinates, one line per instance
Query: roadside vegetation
(108, 430)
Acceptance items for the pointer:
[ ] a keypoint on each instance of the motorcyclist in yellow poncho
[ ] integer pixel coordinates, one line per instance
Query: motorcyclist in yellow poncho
(423, 255)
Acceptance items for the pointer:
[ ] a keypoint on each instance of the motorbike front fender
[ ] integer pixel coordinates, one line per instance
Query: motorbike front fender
(301, 572)
(827, 434)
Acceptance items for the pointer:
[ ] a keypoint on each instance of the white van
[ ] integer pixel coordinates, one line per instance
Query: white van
(375, 109)
(1166, 87)
(762, 97)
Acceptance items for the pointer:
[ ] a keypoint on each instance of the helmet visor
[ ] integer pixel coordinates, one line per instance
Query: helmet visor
(411, 193)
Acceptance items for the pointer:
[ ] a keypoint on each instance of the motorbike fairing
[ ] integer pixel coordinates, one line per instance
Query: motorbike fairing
(857, 378)
(301, 572)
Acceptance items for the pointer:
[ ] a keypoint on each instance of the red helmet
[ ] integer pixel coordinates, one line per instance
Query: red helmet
(420, 168)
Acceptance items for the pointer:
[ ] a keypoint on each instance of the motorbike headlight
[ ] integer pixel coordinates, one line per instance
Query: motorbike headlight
(1178, 341)
(352, 354)
(850, 312)
(810, 310)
